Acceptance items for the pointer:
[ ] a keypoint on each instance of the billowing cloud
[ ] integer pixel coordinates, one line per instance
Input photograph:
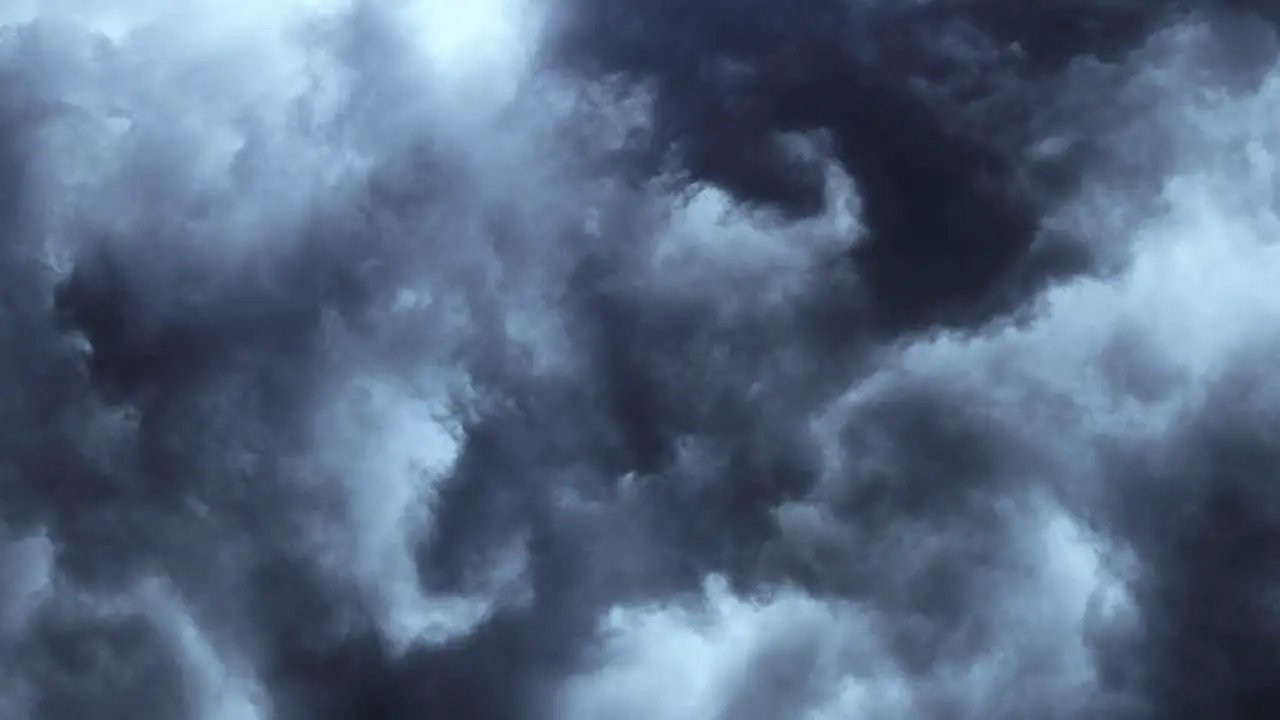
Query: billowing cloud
(689, 361)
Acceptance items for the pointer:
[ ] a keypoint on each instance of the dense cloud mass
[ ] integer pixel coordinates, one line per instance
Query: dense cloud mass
(639, 360)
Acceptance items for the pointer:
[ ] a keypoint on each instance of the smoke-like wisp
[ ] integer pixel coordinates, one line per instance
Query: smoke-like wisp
(638, 360)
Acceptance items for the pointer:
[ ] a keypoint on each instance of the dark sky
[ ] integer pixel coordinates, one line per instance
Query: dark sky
(639, 360)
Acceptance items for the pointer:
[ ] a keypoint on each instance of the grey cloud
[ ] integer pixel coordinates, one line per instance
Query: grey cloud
(716, 363)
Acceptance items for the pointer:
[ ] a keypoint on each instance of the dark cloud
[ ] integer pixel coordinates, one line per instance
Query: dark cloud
(863, 359)
(929, 106)
(1199, 514)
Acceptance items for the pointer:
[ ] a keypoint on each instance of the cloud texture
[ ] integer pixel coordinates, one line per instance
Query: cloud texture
(639, 360)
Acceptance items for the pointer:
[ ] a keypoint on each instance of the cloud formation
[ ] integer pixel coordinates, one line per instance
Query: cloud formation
(637, 360)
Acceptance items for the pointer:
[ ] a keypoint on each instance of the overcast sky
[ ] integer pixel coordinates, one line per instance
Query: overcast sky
(638, 360)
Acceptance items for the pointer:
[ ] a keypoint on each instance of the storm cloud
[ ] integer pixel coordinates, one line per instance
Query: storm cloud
(579, 360)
